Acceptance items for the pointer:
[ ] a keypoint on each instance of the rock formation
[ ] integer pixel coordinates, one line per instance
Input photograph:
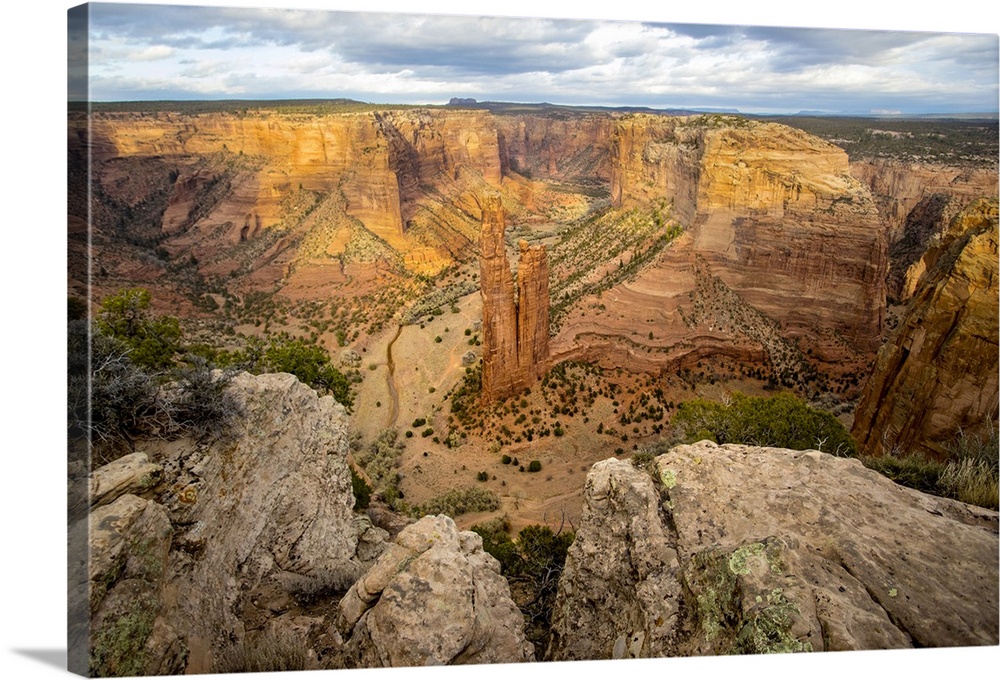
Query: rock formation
(434, 597)
(722, 549)
(938, 374)
(220, 539)
(772, 210)
(917, 201)
(900, 187)
(183, 564)
(564, 146)
(515, 329)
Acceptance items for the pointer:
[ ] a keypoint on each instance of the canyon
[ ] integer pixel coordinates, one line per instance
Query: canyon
(520, 298)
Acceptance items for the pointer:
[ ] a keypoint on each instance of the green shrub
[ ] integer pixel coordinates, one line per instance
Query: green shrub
(532, 564)
(482, 476)
(505, 459)
(152, 341)
(460, 501)
(783, 421)
(361, 489)
(534, 466)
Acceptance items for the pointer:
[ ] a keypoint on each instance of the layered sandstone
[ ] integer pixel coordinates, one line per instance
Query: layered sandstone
(917, 202)
(772, 210)
(938, 374)
(560, 146)
(515, 322)
(899, 187)
(741, 549)
(391, 172)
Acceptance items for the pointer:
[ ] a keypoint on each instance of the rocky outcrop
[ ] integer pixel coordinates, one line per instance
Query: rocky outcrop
(722, 549)
(231, 538)
(434, 597)
(515, 329)
(938, 374)
(772, 210)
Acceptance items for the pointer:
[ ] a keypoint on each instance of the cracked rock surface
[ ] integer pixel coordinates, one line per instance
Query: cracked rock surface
(433, 597)
(722, 549)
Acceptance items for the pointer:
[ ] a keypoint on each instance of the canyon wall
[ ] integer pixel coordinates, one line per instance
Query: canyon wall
(772, 210)
(560, 146)
(515, 324)
(918, 201)
(383, 163)
(938, 374)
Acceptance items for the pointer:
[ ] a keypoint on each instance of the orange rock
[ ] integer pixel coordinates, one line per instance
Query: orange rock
(515, 329)
(939, 373)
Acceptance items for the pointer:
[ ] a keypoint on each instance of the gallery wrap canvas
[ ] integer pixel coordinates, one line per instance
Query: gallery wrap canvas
(402, 339)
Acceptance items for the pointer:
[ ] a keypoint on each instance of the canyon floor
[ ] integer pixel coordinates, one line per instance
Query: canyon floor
(409, 372)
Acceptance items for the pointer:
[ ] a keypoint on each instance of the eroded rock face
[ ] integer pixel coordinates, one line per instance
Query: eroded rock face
(720, 549)
(900, 187)
(515, 329)
(772, 210)
(230, 536)
(434, 597)
(938, 374)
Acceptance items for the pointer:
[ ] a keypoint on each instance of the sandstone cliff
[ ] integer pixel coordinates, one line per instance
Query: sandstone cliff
(772, 210)
(515, 323)
(938, 374)
(917, 202)
(561, 146)
(716, 550)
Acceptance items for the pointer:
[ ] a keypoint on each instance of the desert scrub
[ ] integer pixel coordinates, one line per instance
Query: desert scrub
(970, 476)
(783, 421)
(380, 461)
(460, 501)
(262, 653)
(532, 565)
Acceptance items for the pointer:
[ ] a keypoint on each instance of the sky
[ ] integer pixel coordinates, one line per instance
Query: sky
(33, 282)
(142, 52)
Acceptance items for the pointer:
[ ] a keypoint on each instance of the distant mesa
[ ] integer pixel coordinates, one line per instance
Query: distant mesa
(515, 322)
(462, 101)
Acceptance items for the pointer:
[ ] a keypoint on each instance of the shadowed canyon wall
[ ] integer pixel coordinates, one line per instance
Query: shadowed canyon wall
(938, 374)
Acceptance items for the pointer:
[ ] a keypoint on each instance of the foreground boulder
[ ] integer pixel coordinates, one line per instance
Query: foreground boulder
(433, 597)
(229, 539)
(722, 549)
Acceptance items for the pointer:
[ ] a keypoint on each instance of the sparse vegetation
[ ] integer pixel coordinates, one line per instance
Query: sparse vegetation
(970, 475)
(532, 565)
(460, 501)
(263, 652)
(380, 461)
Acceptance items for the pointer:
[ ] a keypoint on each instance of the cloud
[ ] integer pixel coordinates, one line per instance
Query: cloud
(260, 53)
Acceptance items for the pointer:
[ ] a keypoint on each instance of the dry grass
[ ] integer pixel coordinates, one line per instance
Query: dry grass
(267, 652)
